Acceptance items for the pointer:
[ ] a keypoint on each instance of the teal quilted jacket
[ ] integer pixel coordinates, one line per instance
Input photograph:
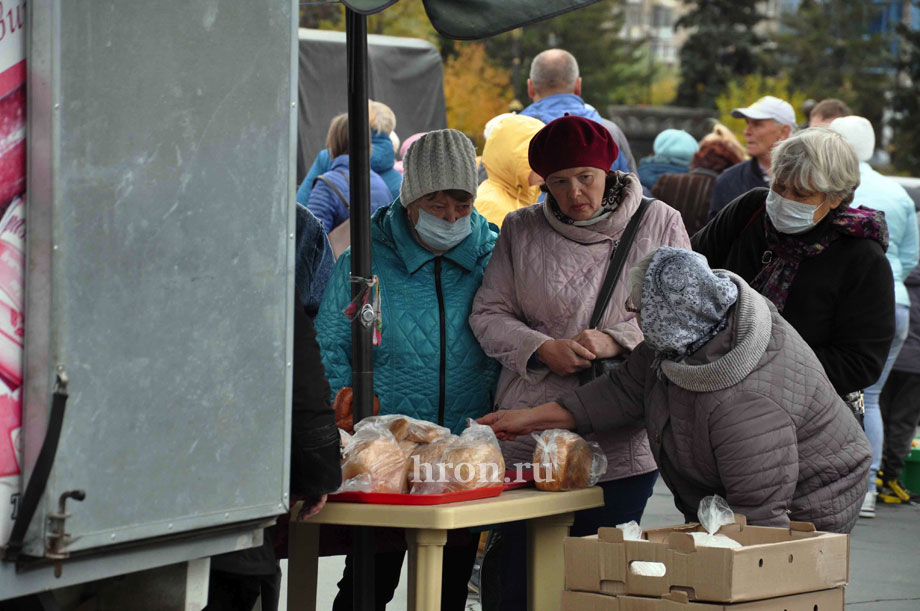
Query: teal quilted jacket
(428, 365)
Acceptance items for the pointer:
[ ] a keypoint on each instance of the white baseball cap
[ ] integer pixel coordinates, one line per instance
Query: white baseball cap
(768, 107)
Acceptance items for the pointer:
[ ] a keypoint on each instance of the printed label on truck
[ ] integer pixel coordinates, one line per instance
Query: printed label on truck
(12, 238)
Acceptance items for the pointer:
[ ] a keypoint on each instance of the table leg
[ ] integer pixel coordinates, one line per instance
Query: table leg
(426, 558)
(303, 562)
(546, 561)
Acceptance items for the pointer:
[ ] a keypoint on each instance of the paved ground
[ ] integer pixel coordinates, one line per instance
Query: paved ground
(884, 559)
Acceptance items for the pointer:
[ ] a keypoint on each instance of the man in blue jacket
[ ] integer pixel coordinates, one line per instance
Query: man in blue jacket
(769, 120)
(555, 88)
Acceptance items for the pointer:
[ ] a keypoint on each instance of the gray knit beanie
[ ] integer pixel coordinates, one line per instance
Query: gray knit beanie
(438, 161)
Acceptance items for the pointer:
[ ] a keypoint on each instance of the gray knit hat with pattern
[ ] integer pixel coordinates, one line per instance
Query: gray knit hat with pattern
(684, 303)
(438, 161)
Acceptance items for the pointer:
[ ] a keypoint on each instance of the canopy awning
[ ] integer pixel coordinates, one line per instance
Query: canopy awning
(473, 19)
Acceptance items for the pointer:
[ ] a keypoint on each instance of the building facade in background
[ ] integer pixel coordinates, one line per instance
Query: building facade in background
(653, 20)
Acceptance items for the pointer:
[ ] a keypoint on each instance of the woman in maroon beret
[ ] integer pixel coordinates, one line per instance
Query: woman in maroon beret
(533, 310)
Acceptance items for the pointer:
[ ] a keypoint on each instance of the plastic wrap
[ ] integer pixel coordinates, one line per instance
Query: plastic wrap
(563, 460)
(424, 465)
(468, 462)
(376, 454)
(632, 532)
(344, 439)
(713, 514)
(405, 428)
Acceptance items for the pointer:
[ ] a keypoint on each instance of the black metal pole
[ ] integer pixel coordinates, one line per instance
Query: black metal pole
(362, 364)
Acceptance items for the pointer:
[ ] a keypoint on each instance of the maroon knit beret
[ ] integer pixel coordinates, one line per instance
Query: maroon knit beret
(571, 142)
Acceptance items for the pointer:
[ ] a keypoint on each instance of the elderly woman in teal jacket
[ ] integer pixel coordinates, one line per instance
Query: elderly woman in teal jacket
(430, 248)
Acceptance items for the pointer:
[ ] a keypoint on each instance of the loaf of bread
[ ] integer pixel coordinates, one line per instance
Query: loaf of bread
(563, 461)
(405, 428)
(475, 465)
(423, 464)
(450, 464)
(378, 459)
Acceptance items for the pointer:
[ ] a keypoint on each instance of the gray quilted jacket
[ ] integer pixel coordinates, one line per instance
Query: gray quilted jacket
(751, 416)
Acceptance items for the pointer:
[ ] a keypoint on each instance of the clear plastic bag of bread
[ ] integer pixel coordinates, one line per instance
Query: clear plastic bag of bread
(374, 461)
(563, 460)
(714, 513)
(468, 462)
(406, 428)
(344, 439)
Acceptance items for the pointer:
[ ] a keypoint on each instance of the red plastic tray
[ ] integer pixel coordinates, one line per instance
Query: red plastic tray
(511, 475)
(392, 498)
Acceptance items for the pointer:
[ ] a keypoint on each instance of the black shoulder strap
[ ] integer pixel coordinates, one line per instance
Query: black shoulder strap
(617, 261)
(335, 189)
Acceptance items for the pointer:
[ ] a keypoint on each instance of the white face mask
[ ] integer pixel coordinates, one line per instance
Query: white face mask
(790, 216)
(440, 234)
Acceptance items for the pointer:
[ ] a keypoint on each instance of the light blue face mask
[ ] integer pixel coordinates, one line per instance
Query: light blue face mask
(790, 216)
(440, 234)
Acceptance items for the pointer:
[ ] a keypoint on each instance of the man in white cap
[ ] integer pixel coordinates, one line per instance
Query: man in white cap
(769, 120)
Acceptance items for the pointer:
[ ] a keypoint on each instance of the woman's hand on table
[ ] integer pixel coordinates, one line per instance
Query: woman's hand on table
(599, 343)
(308, 511)
(565, 356)
(510, 423)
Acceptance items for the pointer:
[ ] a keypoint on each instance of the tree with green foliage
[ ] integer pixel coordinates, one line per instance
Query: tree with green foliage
(612, 69)
(829, 50)
(906, 103)
(723, 46)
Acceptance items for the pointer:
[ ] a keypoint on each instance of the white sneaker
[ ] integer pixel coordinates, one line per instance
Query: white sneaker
(868, 507)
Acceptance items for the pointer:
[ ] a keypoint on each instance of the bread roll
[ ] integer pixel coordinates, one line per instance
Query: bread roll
(407, 447)
(564, 461)
(411, 429)
(478, 465)
(424, 461)
(380, 457)
(450, 464)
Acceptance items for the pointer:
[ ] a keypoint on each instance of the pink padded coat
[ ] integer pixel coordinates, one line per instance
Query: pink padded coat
(542, 283)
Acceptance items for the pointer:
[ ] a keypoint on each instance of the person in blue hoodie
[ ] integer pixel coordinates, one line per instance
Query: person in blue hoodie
(330, 195)
(555, 88)
(383, 151)
(429, 251)
(674, 150)
(382, 123)
(882, 193)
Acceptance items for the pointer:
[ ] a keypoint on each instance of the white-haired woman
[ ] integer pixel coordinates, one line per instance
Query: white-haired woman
(820, 262)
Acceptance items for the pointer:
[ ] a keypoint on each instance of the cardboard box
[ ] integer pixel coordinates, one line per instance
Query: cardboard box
(823, 600)
(772, 562)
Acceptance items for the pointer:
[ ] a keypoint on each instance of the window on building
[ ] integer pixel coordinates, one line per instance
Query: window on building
(661, 16)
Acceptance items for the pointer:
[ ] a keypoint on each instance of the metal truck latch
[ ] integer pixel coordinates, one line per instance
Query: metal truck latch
(56, 549)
